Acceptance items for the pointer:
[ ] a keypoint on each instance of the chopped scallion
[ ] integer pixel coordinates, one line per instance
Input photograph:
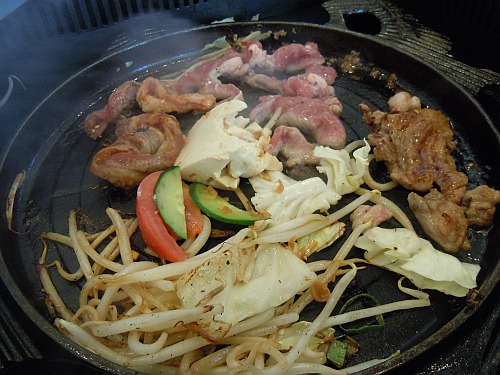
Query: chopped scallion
(337, 352)
(366, 328)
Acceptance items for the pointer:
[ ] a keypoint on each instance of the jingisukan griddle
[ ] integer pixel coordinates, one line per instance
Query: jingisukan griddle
(53, 149)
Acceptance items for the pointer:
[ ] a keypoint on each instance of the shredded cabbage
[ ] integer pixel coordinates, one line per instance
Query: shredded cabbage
(318, 240)
(245, 282)
(344, 174)
(402, 251)
(286, 199)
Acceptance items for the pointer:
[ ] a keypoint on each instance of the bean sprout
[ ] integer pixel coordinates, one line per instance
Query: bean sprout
(9, 206)
(7, 95)
(130, 312)
(397, 212)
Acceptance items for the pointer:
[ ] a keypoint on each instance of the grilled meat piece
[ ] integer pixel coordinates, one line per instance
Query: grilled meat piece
(480, 203)
(121, 100)
(314, 83)
(416, 146)
(290, 58)
(293, 146)
(311, 116)
(155, 96)
(145, 143)
(204, 78)
(441, 219)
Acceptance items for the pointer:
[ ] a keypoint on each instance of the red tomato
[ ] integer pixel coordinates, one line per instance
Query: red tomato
(153, 229)
(194, 219)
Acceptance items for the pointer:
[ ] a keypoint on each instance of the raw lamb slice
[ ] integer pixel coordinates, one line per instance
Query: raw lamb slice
(311, 116)
(293, 146)
(314, 83)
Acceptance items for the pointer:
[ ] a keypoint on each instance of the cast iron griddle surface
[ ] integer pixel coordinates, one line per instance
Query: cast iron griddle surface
(64, 138)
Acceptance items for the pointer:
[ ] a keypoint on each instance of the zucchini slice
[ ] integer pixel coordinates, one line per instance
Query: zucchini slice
(170, 201)
(218, 208)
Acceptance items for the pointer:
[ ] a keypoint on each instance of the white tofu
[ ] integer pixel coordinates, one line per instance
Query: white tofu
(221, 148)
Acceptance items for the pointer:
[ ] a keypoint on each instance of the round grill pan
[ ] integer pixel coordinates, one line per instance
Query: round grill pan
(53, 149)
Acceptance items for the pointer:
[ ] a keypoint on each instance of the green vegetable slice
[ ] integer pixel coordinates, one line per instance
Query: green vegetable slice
(366, 328)
(170, 201)
(218, 208)
(337, 352)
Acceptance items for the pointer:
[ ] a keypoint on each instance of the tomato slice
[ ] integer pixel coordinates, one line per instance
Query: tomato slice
(153, 229)
(194, 218)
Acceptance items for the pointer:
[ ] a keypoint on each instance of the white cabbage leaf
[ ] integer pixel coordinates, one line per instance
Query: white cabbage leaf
(223, 147)
(318, 240)
(245, 282)
(402, 251)
(285, 198)
(344, 174)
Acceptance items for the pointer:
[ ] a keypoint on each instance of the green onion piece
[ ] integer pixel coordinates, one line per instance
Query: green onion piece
(336, 353)
(369, 327)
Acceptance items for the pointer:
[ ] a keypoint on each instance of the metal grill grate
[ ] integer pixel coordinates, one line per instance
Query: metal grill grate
(38, 19)
(47, 18)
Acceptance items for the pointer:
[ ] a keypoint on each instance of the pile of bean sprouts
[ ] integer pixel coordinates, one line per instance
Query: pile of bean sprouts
(130, 314)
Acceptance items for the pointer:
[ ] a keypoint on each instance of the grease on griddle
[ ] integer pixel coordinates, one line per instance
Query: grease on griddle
(474, 298)
(353, 65)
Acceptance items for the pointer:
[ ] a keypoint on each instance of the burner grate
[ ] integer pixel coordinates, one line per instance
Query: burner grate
(45, 18)
(37, 19)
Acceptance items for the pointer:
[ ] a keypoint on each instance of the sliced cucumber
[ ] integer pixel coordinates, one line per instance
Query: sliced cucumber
(218, 208)
(170, 201)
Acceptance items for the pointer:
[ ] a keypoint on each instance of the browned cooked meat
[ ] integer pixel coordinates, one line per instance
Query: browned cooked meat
(155, 96)
(416, 146)
(145, 143)
(480, 203)
(121, 100)
(441, 219)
